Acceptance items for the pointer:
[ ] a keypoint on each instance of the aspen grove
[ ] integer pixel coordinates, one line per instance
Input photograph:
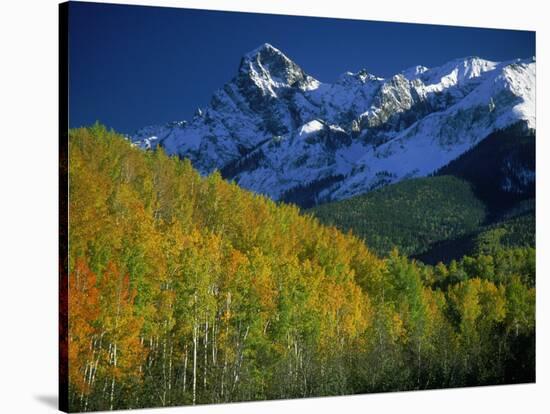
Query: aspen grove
(188, 290)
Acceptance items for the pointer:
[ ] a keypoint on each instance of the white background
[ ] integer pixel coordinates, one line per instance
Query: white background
(28, 203)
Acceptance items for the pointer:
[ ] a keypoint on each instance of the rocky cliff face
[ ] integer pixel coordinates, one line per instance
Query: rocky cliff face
(278, 131)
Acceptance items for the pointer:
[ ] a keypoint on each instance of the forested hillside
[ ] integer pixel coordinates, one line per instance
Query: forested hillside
(437, 218)
(411, 215)
(501, 168)
(189, 290)
(517, 230)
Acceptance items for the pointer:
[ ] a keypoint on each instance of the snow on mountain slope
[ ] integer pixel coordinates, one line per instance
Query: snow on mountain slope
(504, 98)
(276, 130)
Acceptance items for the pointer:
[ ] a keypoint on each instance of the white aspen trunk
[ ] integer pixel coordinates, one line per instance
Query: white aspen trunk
(94, 368)
(89, 373)
(223, 374)
(240, 357)
(296, 362)
(195, 340)
(110, 354)
(185, 370)
(289, 347)
(153, 352)
(214, 325)
(115, 348)
(304, 371)
(224, 368)
(194, 363)
(85, 381)
(113, 380)
(141, 341)
(237, 358)
(86, 376)
(170, 372)
(163, 398)
(225, 361)
(205, 351)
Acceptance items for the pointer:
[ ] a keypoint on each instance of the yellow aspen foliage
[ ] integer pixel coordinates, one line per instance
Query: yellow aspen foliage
(186, 289)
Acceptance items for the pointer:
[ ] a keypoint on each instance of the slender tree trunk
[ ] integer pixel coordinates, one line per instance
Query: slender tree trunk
(163, 398)
(194, 363)
(214, 325)
(185, 371)
(170, 372)
(205, 351)
(115, 346)
(195, 340)
(240, 357)
(113, 380)
(225, 361)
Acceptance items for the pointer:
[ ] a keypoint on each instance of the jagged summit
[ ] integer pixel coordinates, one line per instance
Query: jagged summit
(270, 69)
(276, 130)
(263, 49)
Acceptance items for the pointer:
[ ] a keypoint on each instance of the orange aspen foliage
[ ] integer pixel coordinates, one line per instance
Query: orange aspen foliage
(83, 312)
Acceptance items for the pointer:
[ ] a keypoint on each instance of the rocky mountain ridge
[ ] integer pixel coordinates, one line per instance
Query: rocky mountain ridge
(278, 131)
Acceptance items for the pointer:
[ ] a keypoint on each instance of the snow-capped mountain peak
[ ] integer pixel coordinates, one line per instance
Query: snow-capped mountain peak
(276, 130)
(270, 70)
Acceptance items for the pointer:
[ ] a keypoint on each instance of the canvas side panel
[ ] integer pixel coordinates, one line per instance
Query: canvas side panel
(63, 205)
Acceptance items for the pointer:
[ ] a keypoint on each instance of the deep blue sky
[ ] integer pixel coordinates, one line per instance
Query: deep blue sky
(132, 66)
